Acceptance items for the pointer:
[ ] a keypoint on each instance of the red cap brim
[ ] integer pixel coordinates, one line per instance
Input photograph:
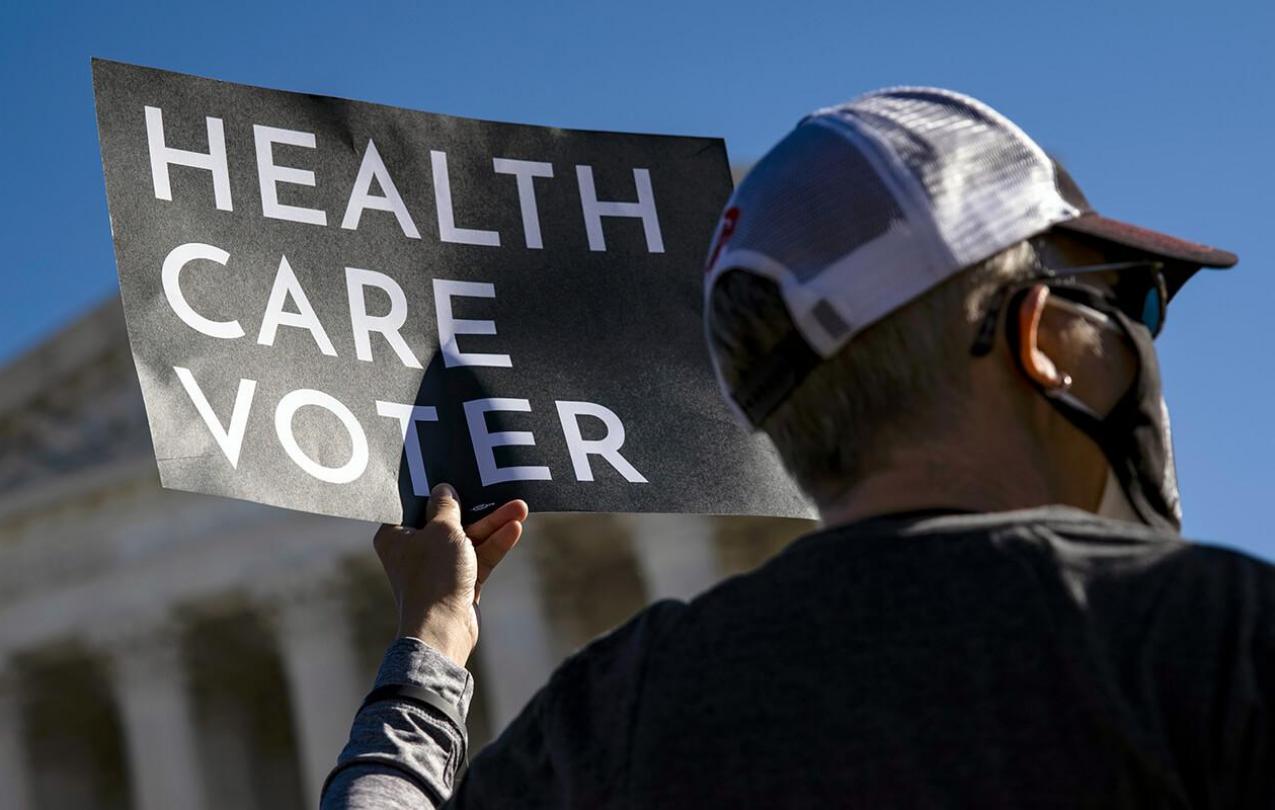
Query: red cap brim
(1149, 241)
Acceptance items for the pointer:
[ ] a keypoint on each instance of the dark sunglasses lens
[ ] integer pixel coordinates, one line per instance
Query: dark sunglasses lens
(1155, 305)
(1146, 300)
(1153, 310)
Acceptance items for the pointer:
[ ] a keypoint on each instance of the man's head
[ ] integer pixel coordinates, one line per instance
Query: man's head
(860, 262)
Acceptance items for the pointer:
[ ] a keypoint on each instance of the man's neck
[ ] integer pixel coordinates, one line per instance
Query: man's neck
(918, 480)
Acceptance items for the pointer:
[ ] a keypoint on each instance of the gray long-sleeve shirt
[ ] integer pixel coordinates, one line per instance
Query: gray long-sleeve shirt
(1043, 658)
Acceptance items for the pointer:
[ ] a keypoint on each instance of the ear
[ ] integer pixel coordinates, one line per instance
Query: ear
(1037, 365)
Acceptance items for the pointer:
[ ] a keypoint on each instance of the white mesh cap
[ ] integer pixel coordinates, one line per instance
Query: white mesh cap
(867, 205)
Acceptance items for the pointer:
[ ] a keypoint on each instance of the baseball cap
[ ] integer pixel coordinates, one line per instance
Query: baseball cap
(869, 204)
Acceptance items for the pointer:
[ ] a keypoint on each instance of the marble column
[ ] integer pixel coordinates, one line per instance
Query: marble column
(150, 686)
(325, 680)
(675, 553)
(15, 771)
(515, 642)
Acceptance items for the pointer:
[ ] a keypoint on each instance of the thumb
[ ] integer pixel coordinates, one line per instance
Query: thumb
(444, 505)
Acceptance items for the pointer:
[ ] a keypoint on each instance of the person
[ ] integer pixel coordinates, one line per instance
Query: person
(952, 353)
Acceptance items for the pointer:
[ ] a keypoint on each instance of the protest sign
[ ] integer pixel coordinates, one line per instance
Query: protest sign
(333, 304)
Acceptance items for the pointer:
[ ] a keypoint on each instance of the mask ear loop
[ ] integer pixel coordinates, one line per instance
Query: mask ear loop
(1030, 310)
(1024, 321)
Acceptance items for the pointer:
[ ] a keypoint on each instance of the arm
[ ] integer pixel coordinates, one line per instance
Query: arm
(404, 751)
(404, 754)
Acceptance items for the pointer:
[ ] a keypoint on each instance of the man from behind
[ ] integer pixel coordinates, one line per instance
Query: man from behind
(953, 354)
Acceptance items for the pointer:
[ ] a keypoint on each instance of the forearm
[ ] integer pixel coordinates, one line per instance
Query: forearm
(402, 754)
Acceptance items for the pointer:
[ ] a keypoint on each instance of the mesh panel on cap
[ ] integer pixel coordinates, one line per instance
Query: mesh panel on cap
(816, 216)
(983, 178)
(811, 200)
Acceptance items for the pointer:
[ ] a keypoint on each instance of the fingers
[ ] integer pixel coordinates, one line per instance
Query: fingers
(386, 535)
(482, 529)
(493, 551)
(497, 546)
(443, 506)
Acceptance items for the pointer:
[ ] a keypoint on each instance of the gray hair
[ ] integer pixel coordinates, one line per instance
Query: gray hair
(905, 375)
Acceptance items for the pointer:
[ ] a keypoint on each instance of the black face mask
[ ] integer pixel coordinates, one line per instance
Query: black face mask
(1134, 436)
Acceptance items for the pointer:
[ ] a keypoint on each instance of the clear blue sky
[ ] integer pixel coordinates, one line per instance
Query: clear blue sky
(1164, 111)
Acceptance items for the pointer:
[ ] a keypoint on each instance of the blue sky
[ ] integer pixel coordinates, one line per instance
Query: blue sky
(1164, 112)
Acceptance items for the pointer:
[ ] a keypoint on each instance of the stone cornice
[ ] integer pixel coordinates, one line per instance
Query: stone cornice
(71, 406)
(79, 486)
(99, 330)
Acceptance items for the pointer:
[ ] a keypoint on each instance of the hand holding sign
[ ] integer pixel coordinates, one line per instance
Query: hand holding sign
(333, 304)
(437, 572)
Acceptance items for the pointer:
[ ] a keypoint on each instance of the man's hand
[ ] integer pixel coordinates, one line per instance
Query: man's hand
(437, 572)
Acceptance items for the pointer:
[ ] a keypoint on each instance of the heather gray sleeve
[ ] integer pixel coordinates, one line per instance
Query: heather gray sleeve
(401, 755)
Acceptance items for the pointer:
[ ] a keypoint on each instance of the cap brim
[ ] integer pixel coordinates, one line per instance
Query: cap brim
(1149, 241)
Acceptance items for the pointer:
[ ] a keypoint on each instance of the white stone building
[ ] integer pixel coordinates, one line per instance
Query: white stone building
(164, 650)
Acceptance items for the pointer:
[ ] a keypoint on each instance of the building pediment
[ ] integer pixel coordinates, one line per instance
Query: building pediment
(71, 404)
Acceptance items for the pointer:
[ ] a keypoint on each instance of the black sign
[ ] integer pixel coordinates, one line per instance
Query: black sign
(333, 304)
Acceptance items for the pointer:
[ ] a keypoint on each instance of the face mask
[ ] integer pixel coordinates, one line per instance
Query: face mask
(1135, 436)
(1114, 503)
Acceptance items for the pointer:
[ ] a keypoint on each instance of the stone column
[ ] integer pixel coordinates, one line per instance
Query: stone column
(15, 771)
(515, 642)
(325, 681)
(676, 554)
(149, 681)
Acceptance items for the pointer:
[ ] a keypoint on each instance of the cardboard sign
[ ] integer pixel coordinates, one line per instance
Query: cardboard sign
(333, 305)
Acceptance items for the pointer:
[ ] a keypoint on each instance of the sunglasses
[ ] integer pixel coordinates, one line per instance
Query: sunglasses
(1140, 292)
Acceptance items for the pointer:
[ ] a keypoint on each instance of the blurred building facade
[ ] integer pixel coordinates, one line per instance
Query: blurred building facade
(164, 650)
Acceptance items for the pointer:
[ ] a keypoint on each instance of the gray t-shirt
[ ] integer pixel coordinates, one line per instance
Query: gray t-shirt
(1041, 658)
